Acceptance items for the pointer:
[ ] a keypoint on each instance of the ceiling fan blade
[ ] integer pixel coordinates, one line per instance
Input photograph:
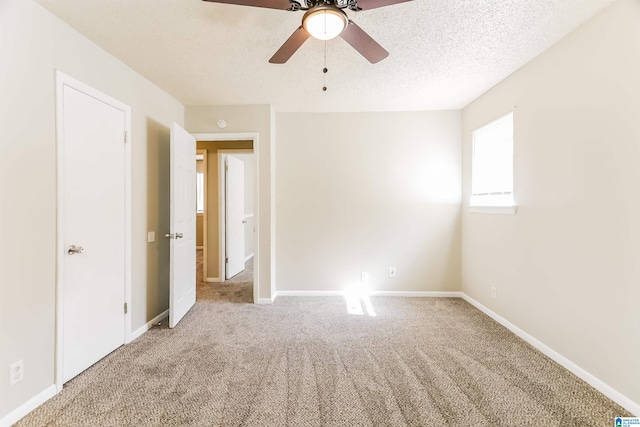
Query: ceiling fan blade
(289, 47)
(270, 4)
(363, 43)
(374, 4)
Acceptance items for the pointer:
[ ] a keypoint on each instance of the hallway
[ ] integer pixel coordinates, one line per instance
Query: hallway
(238, 289)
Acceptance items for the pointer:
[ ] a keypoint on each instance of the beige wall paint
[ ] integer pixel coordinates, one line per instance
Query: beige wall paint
(199, 230)
(375, 188)
(366, 191)
(35, 44)
(213, 199)
(566, 266)
(240, 119)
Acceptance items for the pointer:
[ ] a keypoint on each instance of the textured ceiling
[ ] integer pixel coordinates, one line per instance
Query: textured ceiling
(443, 53)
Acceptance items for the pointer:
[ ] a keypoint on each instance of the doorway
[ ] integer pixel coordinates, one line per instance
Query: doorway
(235, 209)
(213, 255)
(93, 286)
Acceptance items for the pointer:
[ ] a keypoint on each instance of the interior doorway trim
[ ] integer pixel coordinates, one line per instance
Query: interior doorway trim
(254, 137)
(205, 172)
(62, 81)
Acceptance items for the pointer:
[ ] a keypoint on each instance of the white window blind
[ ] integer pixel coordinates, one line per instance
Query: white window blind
(492, 164)
(200, 192)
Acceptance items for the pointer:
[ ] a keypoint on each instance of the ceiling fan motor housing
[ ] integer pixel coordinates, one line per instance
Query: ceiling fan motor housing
(325, 21)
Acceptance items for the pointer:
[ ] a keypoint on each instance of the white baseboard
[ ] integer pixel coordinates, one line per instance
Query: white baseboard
(309, 294)
(424, 294)
(372, 293)
(18, 413)
(212, 280)
(633, 407)
(31, 404)
(248, 258)
(595, 382)
(144, 328)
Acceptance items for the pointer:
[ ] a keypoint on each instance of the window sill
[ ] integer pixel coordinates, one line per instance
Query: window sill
(496, 210)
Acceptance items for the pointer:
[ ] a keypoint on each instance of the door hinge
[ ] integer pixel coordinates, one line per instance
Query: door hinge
(125, 136)
(125, 308)
(226, 260)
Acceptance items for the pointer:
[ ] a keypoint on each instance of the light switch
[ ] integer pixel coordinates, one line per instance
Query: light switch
(151, 236)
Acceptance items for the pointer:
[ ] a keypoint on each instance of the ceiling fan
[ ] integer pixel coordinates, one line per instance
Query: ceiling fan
(324, 20)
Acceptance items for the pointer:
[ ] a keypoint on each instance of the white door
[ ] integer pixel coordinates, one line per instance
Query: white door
(182, 287)
(234, 217)
(92, 186)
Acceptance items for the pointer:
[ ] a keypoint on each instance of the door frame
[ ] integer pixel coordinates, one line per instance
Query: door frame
(204, 216)
(254, 137)
(222, 207)
(63, 80)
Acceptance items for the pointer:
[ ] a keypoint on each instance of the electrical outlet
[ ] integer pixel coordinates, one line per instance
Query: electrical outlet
(364, 276)
(494, 292)
(16, 372)
(392, 272)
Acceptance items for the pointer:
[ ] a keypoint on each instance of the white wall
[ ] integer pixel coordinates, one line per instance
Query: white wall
(567, 266)
(366, 191)
(361, 192)
(33, 44)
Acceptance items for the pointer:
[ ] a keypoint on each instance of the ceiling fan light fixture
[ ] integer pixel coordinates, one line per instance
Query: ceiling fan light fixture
(325, 23)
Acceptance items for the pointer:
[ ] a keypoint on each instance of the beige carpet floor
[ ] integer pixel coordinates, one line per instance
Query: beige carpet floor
(238, 289)
(308, 362)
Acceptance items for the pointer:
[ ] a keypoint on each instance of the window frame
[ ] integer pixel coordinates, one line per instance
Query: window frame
(499, 202)
(200, 193)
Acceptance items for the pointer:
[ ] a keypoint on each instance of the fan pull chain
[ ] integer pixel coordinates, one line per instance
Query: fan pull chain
(324, 70)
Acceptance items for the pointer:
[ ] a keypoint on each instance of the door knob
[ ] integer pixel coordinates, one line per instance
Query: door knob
(179, 235)
(169, 236)
(73, 249)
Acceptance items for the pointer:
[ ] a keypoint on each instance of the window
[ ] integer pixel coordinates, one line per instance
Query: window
(492, 164)
(199, 192)
(200, 165)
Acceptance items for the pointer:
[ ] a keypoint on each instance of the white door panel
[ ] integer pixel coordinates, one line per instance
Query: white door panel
(94, 218)
(182, 288)
(234, 217)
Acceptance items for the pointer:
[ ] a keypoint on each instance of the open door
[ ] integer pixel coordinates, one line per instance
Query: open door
(182, 286)
(234, 217)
